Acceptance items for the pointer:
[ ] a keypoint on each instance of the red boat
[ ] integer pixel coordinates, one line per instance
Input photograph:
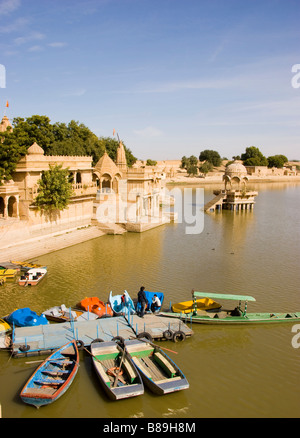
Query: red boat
(94, 305)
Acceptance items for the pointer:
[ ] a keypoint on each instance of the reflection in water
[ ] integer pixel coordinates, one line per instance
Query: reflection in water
(233, 372)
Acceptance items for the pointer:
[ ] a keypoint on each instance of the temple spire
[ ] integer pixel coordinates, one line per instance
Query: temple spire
(121, 161)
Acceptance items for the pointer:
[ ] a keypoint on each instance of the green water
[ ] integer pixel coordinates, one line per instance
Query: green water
(232, 371)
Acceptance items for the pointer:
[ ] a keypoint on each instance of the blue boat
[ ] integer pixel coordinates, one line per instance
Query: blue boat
(118, 306)
(26, 317)
(53, 377)
(149, 296)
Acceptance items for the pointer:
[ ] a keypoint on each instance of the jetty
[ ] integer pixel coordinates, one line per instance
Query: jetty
(43, 339)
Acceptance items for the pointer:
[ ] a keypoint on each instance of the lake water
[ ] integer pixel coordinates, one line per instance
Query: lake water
(232, 371)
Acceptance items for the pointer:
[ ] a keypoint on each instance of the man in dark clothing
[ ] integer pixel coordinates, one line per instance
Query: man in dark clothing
(142, 300)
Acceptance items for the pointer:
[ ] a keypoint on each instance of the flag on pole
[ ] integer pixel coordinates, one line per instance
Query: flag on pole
(114, 132)
(7, 104)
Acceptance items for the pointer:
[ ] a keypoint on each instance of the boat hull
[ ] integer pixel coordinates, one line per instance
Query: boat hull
(32, 277)
(43, 387)
(94, 305)
(250, 318)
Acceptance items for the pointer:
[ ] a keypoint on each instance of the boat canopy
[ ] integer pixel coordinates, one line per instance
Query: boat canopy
(223, 296)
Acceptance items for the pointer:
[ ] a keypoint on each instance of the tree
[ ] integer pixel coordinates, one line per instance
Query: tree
(277, 161)
(10, 153)
(54, 189)
(151, 162)
(253, 157)
(190, 164)
(211, 156)
(206, 167)
(191, 169)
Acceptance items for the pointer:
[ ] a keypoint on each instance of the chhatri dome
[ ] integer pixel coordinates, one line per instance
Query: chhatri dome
(236, 169)
(35, 149)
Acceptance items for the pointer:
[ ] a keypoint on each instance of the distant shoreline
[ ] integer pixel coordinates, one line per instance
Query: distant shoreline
(185, 180)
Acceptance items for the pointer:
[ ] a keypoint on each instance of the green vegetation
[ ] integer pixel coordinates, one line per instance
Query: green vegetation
(55, 139)
(253, 157)
(151, 162)
(54, 189)
(211, 156)
(277, 161)
(190, 164)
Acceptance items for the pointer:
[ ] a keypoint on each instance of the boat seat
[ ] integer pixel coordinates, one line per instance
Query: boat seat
(55, 312)
(129, 369)
(55, 373)
(61, 362)
(49, 382)
(63, 308)
(171, 379)
(167, 366)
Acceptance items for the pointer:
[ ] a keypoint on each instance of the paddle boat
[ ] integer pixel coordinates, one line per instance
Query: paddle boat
(7, 273)
(159, 373)
(32, 277)
(118, 376)
(195, 305)
(149, 297)
(94, 305)
(53, 377)
(26, 317)
(121, 306)
(63, 314)
(26, 265)
(237, 315)
(4, 326)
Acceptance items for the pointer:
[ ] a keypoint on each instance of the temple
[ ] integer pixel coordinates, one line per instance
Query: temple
(110, 195)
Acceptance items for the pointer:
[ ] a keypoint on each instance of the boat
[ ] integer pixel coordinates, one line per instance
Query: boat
(53, 377)
(26, 317)
(149, 297)
(62, 314)
(4, 326)
(117, 374)
(117, 305)
(26, 265)
(94, 305)
(234, 316)
(159, 373)
(7, 273)
(32, 277)
(195, 305)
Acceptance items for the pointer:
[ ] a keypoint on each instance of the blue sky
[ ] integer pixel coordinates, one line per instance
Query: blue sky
(172, 77)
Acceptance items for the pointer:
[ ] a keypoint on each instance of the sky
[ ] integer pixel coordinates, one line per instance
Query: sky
(171, 77)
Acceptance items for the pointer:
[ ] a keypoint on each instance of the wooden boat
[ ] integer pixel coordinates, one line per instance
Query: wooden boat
(117, 374)
(26, 265)
(238, 315)
(26, 317)
(63, 314)
(53, 377)
(195, 305)
(159, 373)
(32, 277)
(118, 306)
(149, 297)
(94, 305)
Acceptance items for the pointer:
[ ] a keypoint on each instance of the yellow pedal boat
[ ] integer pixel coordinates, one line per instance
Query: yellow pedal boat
(189, 306)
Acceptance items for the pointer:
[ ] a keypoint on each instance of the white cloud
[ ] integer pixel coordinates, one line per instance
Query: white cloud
(9, 6)
(76, 93)
(36, 48)
(28, 38)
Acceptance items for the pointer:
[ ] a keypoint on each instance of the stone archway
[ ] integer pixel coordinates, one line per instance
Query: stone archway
(2, 207)
(12, 207)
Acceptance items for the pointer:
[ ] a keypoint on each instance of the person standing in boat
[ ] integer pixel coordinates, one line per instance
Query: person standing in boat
(142, 300)
(155, 303)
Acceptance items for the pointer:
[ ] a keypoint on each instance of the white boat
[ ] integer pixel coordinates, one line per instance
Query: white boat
(32, 277)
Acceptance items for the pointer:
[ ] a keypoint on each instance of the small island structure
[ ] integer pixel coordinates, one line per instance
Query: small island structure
(235, 195)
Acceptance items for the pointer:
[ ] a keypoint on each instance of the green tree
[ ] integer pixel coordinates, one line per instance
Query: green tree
(277, 161)
(191, 169)
(253, 157)
(211, 156)
(151, 162)
(184, 162)
(206, 167)
(10, 153)
(54, 189)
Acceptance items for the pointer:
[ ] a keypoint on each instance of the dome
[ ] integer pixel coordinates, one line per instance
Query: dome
(35, 149)
(235, 168)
